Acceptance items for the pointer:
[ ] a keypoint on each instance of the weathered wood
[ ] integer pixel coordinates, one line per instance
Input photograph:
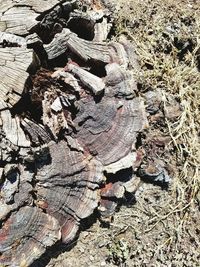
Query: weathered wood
(6, 148)
(11, 183)
(21, 17)
(132, 185)
(68, 78)
(12, 129)
(84, 49)
(8, 39)
(124, 163)
(54, 121)
(37, 133)
(101, 30)
(16, 245)
(107, 208)
(78, 123)
(84, 20)
(90, 51)
(16, 189)
(33, 40)
(15, 63)
(109, 132)
(109, 192)
(92, 82)
(66, 188)
(120, 83)
(113, 190)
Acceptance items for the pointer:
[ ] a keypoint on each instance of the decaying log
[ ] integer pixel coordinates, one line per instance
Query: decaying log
(113, 190)
(107, 206)
(53, 117)
(94, 25)
(11, 184)
(33, 41)
(68, 78)
(101, 30)
(72, 123)
(16, 189)
(124, 163)
(85, 49)
(132, 185)
(87, 22)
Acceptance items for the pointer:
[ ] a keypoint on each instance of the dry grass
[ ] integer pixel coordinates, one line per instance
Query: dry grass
(167, 38)
(166, 35)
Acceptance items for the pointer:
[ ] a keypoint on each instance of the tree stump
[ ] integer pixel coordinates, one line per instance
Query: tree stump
(71, 117)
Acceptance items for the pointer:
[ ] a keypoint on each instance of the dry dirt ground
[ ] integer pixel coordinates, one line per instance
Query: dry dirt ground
(157, 227)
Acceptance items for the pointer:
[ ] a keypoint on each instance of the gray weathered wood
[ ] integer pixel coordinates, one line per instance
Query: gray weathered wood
(84, 49)
(14, 66)
(12, 129)
(20, 17)
(12, 39)
(92, 82)
(96, 52)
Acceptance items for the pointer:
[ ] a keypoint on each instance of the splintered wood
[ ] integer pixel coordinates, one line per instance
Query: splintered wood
(70, 120)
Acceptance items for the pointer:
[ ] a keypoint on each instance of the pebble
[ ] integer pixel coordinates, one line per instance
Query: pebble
(81, 249)
(91, 258)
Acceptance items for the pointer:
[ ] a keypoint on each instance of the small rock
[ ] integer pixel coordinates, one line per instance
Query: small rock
(91, 258)
(81, 250)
